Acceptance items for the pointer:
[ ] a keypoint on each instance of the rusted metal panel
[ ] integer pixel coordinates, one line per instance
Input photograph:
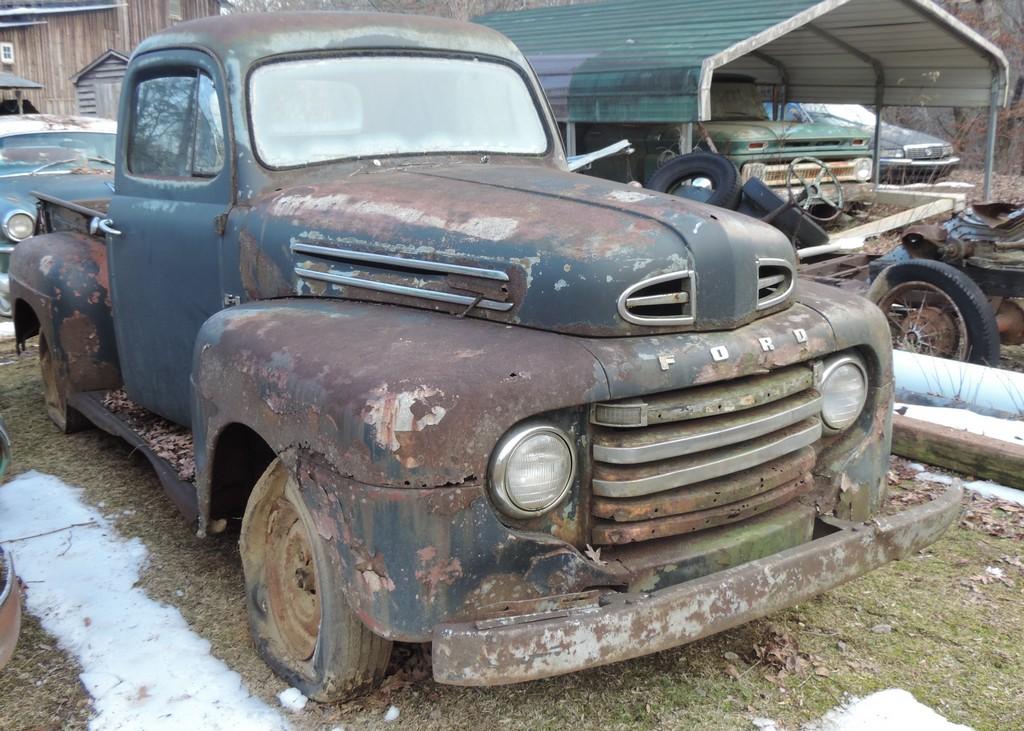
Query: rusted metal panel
(623, 626)
(10, 607)
(64, 278)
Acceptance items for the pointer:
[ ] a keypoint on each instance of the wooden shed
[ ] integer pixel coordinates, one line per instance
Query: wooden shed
(55, 42)
(98, 85)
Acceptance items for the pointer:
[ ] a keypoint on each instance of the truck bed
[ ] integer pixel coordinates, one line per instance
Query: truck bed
(57, 214)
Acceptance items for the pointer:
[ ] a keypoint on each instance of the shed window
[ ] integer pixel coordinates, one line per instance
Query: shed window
(177, 129)
(7, 52)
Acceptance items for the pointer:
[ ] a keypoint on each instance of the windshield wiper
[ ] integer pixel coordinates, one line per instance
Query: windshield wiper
(51, 164)
(103, 160)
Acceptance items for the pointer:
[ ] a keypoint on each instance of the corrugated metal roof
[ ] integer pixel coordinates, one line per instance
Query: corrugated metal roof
(653, 60)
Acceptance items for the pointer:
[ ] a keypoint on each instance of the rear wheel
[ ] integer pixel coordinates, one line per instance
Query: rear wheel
(66, 418)
(936, 309)
(298, 613)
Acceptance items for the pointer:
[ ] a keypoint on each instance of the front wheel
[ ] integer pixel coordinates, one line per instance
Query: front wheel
(298, 613)
(936, 309)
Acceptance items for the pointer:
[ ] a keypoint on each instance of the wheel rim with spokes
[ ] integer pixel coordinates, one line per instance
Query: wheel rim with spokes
(924, 319)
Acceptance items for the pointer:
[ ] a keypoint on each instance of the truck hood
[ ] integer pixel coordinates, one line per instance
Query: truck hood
(768, 131)
(522, 244)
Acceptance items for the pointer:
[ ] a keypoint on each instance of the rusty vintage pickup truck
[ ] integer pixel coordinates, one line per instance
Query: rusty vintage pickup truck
(444, 389)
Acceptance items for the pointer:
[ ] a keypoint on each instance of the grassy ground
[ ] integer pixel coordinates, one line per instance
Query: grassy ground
(937, 625)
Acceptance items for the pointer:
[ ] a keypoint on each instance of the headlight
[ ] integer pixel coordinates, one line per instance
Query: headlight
(532, 471)
(18, 225)
(896, 152)
(947, 150)
(862, 169)
(844, 389)
(754, 170)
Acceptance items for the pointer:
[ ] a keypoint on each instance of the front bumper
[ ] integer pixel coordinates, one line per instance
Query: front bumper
(615, 626)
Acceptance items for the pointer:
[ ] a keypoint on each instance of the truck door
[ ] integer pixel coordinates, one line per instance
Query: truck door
(173, 190)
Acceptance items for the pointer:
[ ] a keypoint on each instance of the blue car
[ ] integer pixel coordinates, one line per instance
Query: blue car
(67, 157)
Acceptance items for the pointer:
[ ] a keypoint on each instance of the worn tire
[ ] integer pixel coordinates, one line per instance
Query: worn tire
(718, 169)
(66, 418)
(299, 615)
(971, 304)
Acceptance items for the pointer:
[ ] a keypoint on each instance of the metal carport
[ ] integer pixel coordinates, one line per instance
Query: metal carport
(653, 60)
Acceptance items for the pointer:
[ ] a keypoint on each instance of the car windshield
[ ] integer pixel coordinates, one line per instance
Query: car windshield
(315, 110)
(56, 152)
(854, 114)
(736, 101)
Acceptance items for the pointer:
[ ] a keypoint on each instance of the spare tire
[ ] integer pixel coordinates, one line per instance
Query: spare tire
(699, 176)
(935, 309)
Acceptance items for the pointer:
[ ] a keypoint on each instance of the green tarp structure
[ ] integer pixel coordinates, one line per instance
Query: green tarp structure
(653, 60)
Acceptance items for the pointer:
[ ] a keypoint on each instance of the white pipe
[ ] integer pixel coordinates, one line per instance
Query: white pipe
(932, 381)
(853, 243)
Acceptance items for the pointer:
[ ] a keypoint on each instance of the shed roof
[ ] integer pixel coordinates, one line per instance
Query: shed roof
(10, 81)
(653, 60)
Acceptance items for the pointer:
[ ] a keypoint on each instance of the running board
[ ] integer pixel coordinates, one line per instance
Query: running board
(182, 493)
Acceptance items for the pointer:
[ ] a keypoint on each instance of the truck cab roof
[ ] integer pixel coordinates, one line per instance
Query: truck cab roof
(247, 38)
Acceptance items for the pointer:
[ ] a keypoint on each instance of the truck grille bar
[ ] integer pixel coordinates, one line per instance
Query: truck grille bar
(705, 456)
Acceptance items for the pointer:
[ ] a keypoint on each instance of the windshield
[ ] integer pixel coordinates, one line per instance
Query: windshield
(849, 113)
(372, 106)
(56, 152)
(735, 101)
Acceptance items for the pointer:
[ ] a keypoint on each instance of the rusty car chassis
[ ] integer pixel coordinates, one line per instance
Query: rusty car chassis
(542, 420)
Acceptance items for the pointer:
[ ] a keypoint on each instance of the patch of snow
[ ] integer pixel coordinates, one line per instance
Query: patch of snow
(392, 714)
(142, 665)
(6, 329)
(887, 710)
(995, 571)
(292, 699)
(1006, 430)
(982, 487)
(764, 724)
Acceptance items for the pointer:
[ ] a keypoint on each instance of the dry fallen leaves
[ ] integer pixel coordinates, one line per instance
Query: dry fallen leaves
(170, 442)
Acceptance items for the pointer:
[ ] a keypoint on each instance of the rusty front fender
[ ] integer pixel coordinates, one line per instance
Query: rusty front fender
(617, 626)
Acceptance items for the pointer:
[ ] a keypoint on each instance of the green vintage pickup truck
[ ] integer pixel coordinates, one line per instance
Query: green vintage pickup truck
(741, 130)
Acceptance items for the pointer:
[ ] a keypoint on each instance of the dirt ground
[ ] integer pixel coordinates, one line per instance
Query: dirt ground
(936, 625)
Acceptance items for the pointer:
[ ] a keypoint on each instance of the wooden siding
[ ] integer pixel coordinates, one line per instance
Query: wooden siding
(52, 53)
(99, 88)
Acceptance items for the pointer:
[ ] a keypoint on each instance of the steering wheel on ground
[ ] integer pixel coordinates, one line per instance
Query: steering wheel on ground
(823, 188)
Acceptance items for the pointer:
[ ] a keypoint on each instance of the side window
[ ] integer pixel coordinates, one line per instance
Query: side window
(177, 131)
(208, 158)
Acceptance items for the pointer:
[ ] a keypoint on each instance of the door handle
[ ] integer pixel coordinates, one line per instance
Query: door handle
(105, 225)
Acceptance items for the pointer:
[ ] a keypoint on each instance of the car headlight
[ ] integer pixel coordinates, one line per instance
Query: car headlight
(754, 170)
(862, 169)
(947, 150)
(18, 225)
(844, 390)
(532, 470)
(896, 152)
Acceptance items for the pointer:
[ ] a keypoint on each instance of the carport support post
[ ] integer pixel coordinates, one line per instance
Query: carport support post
(876, 169)
(990, 142)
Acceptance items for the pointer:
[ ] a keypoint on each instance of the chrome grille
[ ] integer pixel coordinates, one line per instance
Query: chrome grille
(776, 174)
(706, 456)
(926, 152)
